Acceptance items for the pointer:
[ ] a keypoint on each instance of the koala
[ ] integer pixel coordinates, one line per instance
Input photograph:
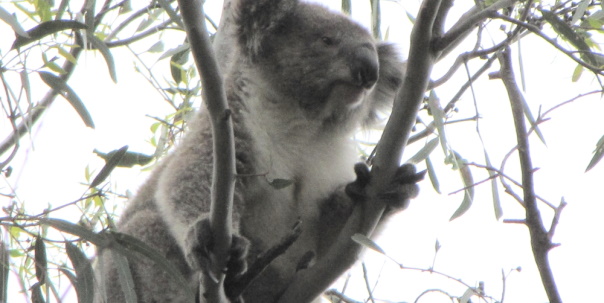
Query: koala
(302, 81)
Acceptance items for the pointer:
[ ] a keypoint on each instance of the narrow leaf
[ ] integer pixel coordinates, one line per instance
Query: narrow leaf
(110, 164)
(580, 11)
(9, 19)
(598, 154)
(179, 50)
(494, 189)
(44, 29)
(76, 230)
(438, 114)
(84, 275)
(177, 60)
(577, 73)
(125, 276)
(432, 175)
(102, 47)
(36, 294)
(569, 35)
(25, 84)
(364, 241)
(40, 260)
(531, 119)
(423, 153)
(61, 86)
(468, 181)
(157, 47)
(128, 160)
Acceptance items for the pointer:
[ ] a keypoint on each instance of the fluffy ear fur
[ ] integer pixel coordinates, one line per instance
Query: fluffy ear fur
(258, 20)
(392, 72)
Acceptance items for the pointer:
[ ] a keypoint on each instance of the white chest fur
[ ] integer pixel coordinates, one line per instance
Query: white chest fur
(317, 163)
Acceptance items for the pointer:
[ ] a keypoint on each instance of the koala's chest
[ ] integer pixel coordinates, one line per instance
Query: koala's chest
(314, 173)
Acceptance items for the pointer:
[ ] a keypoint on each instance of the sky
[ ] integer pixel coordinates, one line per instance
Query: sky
(475, 247)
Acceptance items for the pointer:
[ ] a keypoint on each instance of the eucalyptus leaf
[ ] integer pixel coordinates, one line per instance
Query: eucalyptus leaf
(61, 87)
(364, 241)
(44, 29)
(84, 285)
(110, 164)
(40, 260)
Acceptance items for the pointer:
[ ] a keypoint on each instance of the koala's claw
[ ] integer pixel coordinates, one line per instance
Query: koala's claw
(398, 193)
(200, 243)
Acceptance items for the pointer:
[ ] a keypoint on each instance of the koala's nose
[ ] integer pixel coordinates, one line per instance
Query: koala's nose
(365, 66)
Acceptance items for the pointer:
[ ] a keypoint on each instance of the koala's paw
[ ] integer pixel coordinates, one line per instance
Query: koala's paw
(199, 244)
(401, 189)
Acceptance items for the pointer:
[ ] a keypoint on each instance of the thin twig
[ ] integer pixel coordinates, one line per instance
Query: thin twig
(540, 241)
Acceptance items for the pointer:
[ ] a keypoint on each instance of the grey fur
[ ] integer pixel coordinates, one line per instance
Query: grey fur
(302, 81)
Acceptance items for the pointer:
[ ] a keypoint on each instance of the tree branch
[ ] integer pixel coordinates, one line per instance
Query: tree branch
(223, 175)
(540, 240)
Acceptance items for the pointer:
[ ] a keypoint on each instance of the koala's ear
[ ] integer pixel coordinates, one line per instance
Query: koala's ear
(390, 79)
(258, 19)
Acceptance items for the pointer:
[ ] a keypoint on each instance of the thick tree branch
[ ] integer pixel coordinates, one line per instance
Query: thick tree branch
(540, 239)
(223, 176)
(309, 283)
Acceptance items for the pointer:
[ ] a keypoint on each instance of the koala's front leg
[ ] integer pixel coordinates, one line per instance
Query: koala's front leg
(401, 189)
(199, 244)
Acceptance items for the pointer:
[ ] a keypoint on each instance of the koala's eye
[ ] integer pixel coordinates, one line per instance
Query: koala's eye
(327, 41)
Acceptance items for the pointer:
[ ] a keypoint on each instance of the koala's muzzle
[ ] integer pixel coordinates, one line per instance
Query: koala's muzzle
(364, 66)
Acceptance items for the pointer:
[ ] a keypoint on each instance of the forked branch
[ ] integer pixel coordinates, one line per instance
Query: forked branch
(540, 238)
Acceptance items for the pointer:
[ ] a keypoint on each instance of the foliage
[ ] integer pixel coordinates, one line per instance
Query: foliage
(51, 38)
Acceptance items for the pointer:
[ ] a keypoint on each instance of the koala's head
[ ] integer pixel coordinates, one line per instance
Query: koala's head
(320, 60)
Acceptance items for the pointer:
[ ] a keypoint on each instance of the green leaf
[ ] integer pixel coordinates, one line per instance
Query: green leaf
(76, 230)
(364, 241)
(577, 72)
(40, 260)
(62, 88)
(44, 29)
(177, 60)
(177, 51)
(84, 285)
(494, 189)
(129, 159)
(569, 35)
(157, 47)
(10, 19)
(125, 276)
(438, 114)
(26, 86)
(110, 164)
(468, 181)
(36, 294)
(529, 116)
(432, 175)
(580, 11)
(598, 154)
(423, 153)
(102, 47)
